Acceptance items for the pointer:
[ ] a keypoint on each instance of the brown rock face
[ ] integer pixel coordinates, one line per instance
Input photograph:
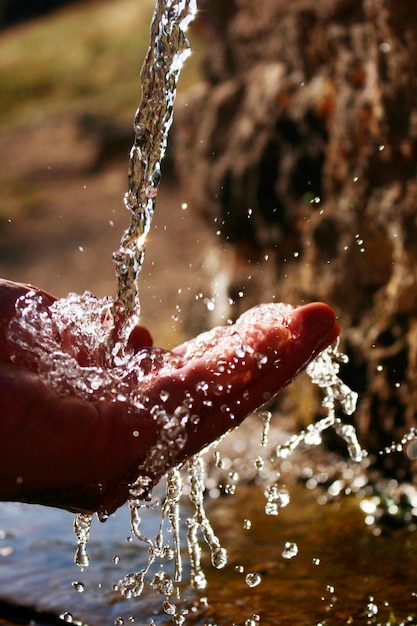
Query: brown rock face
(302, 143)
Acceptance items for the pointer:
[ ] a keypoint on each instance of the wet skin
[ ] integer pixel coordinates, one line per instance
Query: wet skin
(84, 456)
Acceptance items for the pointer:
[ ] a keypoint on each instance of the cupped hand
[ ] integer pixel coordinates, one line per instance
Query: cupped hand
(89, 453)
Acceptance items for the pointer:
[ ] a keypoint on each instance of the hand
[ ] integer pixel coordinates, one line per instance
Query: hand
(84, 455)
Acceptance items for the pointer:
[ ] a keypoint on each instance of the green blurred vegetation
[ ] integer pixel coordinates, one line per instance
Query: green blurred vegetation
(80, 65)
(85, 58)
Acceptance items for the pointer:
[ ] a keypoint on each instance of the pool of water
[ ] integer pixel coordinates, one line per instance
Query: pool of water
(341, 570)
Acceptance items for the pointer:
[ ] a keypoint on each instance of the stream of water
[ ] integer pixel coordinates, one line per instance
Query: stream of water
(168, 50)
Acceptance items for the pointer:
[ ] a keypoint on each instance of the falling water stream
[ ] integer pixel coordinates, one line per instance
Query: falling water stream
(165, 565)
(168, 50)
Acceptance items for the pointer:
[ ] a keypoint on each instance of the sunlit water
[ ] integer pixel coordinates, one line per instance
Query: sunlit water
(168, 50)
(277, 565)
(317, 562)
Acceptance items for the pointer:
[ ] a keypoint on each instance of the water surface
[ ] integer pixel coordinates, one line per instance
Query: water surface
(343, 572)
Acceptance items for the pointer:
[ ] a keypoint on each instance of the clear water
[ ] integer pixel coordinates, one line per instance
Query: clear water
(323, 372)
(319, 561)
(167, 53)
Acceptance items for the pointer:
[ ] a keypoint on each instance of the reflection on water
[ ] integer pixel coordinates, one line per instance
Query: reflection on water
(341, 570)
(37, 566)
(312, 564)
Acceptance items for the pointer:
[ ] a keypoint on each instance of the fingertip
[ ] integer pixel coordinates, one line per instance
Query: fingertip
(319, 319)
(140, 337)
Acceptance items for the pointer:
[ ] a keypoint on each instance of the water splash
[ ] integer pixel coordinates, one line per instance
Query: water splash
(199, 521)
(159, 552)
(167, 53)
(171, 511)
(276, 498)
(132, 585)
(75, 321)
(398, 446)
(66, 344)
(323, 372)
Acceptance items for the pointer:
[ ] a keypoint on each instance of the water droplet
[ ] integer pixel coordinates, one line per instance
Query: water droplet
(169, 608)
(210, 304)
(219, 558)
(247, 524)
(259, 463)
(266, 419)
(202, 387)
(372, 608)
(271, 508)
(240, 352)
(253, 579)
(279, 497)
(164, 395)
(261, 359)
(218, 390)
(116, 559)
(290, 550)
(163, 583)
(221, 366)
(67, 617)
(412, 450)
(168, 553)
(78, 586)
(312, 437)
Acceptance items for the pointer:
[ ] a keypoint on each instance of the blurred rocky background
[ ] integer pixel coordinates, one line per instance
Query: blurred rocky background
(300, 145)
